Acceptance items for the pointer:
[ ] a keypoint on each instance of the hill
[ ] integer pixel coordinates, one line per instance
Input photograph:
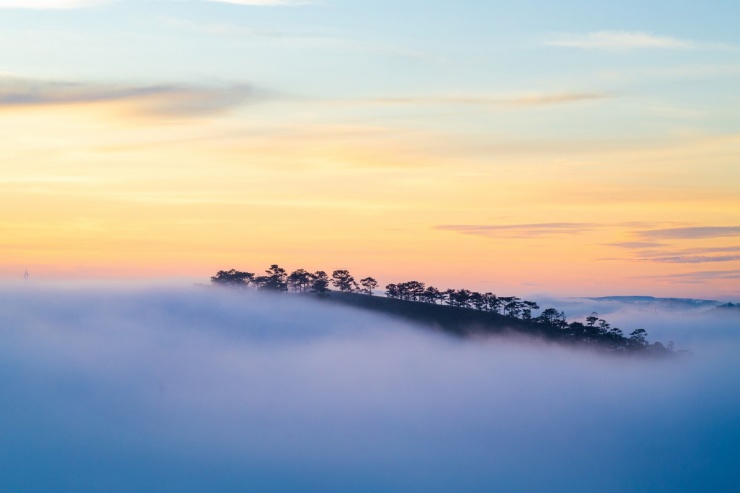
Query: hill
(450, 319)
(466, 322)
(461, 312)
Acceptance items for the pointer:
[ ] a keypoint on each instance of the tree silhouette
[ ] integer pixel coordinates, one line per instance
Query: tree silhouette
(594, 331)
(368, 285)
(299, 280)
(412, 290)
(478, 301)
(233, 278)
(548, 316)
(512, 306)
(616, 340)
(638, 339)
(343, 280)
(460, 297)
(275, 280)
(561, 321)
(320, 283)
(578, 330)
(494, 302)
(527, 308)
(432, 294)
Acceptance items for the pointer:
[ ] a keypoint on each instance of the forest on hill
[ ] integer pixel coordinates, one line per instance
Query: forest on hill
(459, 311)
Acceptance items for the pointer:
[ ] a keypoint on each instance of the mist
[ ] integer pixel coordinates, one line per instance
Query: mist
(195, 390)
(689, 326)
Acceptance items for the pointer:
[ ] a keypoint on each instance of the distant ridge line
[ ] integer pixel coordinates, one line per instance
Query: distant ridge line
(634, 299)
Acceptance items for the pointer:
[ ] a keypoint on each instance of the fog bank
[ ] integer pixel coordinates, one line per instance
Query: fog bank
(207, 390)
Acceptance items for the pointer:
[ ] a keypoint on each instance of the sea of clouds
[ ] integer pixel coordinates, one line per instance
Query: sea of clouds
(208, 390)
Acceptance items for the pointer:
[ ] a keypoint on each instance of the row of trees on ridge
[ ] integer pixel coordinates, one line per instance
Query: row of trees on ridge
(594, 329)
(299, 281)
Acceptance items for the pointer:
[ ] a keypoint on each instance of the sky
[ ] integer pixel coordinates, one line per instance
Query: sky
(575, 147)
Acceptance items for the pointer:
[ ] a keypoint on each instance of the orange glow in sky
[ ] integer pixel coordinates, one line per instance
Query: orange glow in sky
(175, 140)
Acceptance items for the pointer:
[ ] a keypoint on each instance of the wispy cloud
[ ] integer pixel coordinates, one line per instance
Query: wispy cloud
(235, 29)
(155, 99)
(730, 249)
(518, 230)
(649, 253)
(263, 3)
(695, 251)
(620, 40)
(49, 4)
(693, 255)
(636, 244)
(515, 101)
(690, 233)
(554, 98)
(694, 259)
(697, 276)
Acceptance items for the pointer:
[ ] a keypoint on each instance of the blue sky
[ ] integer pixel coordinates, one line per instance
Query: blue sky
(495, 41)
(677, 54)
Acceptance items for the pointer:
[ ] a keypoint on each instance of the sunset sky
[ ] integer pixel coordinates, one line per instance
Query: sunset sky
(571, 147)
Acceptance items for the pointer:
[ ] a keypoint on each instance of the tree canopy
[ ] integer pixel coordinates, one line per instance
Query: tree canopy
(592, 330)
(233, 278)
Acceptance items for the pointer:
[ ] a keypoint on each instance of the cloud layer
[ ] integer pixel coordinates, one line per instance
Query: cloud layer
(76, 4)
(513, 101)
(49, 4)
(154, 99)
(690, 233)
(263, 3)
(518, 230)
(620, 40)
(698, 277)
(166, 390)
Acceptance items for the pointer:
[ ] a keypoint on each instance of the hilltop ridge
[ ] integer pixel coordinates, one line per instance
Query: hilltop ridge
(455, 311)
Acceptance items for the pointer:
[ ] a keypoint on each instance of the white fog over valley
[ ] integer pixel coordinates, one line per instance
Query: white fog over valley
(172, 389)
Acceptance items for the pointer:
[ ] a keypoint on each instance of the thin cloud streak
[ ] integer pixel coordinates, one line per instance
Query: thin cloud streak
(263, 3)
(697, 276)
(636, 244)
(703, 251)
(697, 259)
(518, 230)
(690, 252)
(529, 230)
(154, 99)
(620, 40)
(515, 101)
(649, 253)
(50, 4)
(690, 233)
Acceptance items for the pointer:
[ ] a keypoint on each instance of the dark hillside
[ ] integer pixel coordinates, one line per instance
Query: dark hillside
(450, 319)
(731, 308)
(460, 312)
